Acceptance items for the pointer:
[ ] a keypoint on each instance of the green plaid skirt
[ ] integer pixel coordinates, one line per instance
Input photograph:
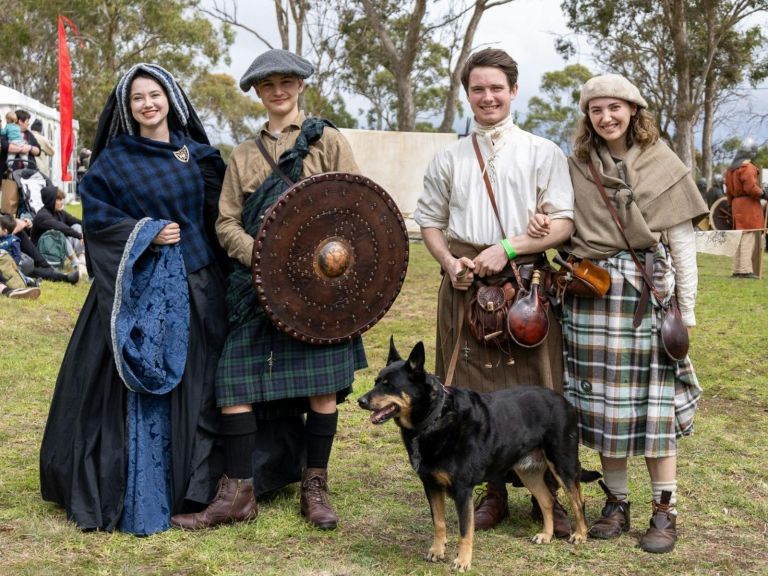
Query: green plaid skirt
(631, 398)
(263, 364)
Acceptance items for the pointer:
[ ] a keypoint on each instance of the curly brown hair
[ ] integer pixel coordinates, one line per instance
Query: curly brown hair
(641, 130)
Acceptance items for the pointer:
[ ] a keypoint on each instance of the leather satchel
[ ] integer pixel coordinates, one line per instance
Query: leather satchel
(487, 311)
(581, 277)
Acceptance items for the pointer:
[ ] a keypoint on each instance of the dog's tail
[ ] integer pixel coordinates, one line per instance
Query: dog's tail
(590, 475)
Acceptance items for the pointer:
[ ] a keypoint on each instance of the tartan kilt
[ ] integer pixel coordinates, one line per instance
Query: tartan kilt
(263, 364)
(631, 398)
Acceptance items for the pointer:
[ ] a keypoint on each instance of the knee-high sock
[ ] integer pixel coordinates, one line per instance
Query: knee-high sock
(320, 430)
(239, 431)
(617, 483)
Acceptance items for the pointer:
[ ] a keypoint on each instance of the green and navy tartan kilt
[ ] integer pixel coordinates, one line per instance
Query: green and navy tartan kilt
(631, 398)
(263, 364)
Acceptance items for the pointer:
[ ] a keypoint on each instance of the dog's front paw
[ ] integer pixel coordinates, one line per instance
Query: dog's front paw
(436, 553)
(462, 564)
(577, 538)
(542, 538)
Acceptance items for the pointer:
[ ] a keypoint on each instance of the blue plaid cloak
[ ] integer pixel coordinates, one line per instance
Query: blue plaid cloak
(115, 189)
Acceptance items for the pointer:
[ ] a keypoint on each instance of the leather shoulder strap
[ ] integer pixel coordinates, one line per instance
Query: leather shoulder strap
(272, 162)
(487, 180)
(612, 209)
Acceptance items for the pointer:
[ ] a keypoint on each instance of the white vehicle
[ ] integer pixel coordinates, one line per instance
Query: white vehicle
(11, 100)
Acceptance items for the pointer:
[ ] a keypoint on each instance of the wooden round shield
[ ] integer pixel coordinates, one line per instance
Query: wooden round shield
(330, 257)
(720, 215)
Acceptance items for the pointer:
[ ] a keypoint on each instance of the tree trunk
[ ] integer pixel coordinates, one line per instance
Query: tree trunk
(401, 65)
(710, 92)
(452, 97)
(283, 25)
(674, 11)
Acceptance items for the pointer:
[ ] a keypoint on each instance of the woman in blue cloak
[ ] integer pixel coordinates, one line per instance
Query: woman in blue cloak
(130, 434)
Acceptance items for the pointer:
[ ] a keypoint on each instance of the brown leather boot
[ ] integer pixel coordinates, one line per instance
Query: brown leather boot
(614, 518)
(314, 499)
(234, 502)
(662, 533)
(492, 506)
(562, 525)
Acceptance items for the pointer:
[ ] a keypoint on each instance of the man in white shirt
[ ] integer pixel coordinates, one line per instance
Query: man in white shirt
(529, 176)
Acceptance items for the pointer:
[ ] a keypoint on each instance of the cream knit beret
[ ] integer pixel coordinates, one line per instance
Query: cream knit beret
(610, 86)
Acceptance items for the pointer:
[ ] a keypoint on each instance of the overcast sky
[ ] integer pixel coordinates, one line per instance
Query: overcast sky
(526, 29)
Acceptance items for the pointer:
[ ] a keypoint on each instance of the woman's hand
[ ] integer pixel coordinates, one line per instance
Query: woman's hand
(539, 225)
(170, 234)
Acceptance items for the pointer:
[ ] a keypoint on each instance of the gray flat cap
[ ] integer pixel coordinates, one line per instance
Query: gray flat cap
(610, 86)
(275, 62)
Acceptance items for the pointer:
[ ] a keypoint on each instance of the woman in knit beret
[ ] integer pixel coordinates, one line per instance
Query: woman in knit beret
(632, 398)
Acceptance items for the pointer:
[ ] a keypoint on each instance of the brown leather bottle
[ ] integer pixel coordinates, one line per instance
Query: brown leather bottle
(527, 320)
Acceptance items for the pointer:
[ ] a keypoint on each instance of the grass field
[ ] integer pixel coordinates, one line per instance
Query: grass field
(385, 526)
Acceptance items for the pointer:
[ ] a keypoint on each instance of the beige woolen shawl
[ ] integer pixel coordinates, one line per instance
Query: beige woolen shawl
(658, 193)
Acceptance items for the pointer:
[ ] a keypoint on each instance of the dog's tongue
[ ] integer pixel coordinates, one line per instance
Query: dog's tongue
(381, 415)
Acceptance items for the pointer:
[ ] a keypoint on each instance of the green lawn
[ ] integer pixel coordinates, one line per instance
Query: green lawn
(385, 526)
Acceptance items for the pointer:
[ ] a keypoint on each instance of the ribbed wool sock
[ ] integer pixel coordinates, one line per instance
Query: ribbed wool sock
(239, 431)
(616, 481)
(671, 486)
(320, 430)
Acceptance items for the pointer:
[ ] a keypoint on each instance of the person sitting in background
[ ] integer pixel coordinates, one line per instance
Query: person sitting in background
(45, 146)
(61, 228)
(8, 240)
(13, 284)
(12, 245)
(33, 263)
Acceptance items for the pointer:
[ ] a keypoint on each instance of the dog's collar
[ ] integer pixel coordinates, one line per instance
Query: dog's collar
(434, 414)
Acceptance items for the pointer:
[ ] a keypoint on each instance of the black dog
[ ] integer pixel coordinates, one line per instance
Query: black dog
(457, 439)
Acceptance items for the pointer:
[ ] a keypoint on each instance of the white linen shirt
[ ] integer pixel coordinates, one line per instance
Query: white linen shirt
(529, 175)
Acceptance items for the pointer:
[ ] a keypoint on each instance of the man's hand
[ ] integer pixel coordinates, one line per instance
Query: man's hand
(170, 234)
(461, 273)
(490, 261)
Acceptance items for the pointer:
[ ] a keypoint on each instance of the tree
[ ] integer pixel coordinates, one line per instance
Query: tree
(332, 109)
(116, 34)
(312, 20)
(367, 73)
(401, 35)
(223, 107)
(555, 116)
(669, 48)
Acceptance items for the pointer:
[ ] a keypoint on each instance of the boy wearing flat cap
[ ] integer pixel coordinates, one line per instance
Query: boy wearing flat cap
(266, 379)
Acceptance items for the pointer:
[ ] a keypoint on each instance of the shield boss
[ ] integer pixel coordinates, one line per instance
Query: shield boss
(330, 258)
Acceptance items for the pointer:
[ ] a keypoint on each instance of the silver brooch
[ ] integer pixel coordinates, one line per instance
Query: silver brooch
(182, 154)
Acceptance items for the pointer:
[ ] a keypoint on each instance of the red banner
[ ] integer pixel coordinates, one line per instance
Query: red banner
(65, 97)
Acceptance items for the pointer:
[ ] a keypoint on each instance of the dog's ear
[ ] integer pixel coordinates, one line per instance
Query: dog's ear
(416, 359)
(394, 356)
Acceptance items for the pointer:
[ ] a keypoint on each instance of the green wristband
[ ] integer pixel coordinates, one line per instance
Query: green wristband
(507, 245)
